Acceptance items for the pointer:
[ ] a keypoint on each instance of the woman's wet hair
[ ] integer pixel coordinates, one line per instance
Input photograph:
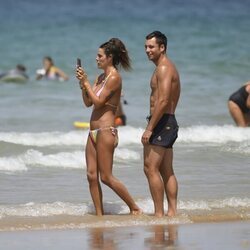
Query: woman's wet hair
(161, 39)
(116, 48)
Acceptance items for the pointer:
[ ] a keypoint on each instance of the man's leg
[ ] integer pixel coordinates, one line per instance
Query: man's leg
(153, 156)
(170, 182)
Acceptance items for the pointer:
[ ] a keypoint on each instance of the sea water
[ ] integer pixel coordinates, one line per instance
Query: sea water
(42, 163)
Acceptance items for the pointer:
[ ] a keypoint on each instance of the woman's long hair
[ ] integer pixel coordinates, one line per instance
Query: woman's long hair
(117, 49)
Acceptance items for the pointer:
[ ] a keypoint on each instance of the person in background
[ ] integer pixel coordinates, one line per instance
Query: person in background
(50, 71)
(104, 96)
(17, 74)
(162, 128)
(120, 117)
(239, 105)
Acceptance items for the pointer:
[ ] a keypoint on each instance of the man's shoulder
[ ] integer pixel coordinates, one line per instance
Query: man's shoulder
(165, 68)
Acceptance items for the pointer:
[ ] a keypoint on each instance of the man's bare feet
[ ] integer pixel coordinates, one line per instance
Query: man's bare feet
(159, 215)
(171, 213)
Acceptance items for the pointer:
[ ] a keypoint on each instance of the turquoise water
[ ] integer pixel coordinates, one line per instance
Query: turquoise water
(41, 154)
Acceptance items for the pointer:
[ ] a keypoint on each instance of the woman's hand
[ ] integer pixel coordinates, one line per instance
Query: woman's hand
(82, 77)
(80, 74)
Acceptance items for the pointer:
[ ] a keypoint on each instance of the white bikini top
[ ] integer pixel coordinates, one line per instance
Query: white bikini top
(103, 85)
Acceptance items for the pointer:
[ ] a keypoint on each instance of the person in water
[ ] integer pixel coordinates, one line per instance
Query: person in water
(104, 96)
(50, 71)
(120, 117)
(162, 128)
(239, 105)
(12, 74)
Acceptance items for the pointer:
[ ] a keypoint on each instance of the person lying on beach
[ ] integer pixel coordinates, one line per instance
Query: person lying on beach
(239, 105)
(105, 96)
(50, 71)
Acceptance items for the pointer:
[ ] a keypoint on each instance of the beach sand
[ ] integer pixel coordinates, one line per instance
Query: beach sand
(200, 235)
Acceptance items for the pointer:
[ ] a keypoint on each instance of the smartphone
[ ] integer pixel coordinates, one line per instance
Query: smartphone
(78, 62)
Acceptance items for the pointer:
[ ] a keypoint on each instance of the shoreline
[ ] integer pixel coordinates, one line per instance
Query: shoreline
(88, 221)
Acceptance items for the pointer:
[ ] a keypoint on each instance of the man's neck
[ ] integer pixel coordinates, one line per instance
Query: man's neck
(161, 58)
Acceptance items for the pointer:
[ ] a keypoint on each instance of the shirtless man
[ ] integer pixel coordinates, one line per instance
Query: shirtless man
(162, 129)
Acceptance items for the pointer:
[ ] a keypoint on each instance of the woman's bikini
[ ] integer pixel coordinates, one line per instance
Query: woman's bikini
(93, 132)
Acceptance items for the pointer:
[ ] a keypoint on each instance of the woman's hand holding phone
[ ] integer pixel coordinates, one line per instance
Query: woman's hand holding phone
(80, 74)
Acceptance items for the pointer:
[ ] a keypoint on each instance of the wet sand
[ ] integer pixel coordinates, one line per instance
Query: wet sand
(214, 235)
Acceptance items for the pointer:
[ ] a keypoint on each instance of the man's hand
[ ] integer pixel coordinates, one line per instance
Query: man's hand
(145, 137)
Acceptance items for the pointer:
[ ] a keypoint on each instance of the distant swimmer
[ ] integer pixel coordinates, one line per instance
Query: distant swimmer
(50, 71)
(239, 106)
(15, 75)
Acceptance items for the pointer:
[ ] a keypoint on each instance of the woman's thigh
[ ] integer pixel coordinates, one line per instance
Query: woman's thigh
(91, 159)
(105, 150)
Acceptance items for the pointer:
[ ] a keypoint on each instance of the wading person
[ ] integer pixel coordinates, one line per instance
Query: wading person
(239, 106)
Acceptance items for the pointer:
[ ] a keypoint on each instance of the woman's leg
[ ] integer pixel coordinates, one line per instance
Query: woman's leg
(93, 177)
(105, 152)
(237, 114)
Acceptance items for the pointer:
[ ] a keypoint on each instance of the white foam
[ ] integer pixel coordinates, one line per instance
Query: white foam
(116, 207)
(43, 209)
(242, 148)
(126, 154)
(214, 134)
(232, 202)
(70, 160)
(129, 135)
(45, 139)
(12, 165)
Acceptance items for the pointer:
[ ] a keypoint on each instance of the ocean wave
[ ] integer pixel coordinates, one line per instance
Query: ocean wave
(242, 148)
(68, 160)
(12, 164)
(80, 215)
(45, 139)
(130, 135)
(32, 209)
(214, 134)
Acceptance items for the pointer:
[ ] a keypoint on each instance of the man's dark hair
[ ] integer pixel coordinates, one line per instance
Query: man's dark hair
(160, 38)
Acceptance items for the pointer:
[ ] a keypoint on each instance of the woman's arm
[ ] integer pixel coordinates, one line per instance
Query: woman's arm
(112, 85)
(82, 77)
(61, 74)
(85, 97)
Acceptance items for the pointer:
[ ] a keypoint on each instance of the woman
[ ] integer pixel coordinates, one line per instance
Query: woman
(50, 71)
(239, 106)
(104, 96)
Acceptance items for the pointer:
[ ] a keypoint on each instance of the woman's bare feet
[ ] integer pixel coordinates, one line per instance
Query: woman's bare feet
(136, 211)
